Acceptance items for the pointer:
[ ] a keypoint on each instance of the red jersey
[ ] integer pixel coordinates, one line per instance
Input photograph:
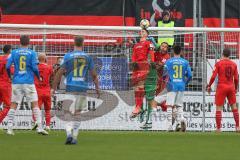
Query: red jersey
(45, 72)
(4, 79)
(141, 51)
(161, 58)
(227, 73)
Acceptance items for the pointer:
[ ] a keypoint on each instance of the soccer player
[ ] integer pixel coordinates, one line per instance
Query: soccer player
(153, 83)
(179, 72)
(43, 88)
(25, 66)
(141, 68)
(76, 65)
(161, 56)
(227, 86)
(5, 83)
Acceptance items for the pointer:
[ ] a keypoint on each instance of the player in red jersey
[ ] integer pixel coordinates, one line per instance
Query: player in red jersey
(5, 83)
(141, 50)
(227, 86)
(161, 56)
(43, 88)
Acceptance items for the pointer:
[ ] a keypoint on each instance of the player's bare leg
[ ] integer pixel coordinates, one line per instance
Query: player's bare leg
(236, 116)
(11, 116)
(218, 118)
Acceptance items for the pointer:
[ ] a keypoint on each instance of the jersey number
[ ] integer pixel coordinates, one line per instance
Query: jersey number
(22, 63)
(177, 71)
(79, 65)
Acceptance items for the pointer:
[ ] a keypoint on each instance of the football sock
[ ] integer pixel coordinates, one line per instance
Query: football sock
(218, 119)
(38, 115)
(236, 116)
(149, 115)
(179, 114)
(11, 115)
(75, 129)
(4, 113)
(69, 127)
(139, 95)
(48, 117)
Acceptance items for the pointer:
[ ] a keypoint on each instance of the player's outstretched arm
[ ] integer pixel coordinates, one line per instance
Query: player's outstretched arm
(155, 44)
(95, 81)
(57, 79)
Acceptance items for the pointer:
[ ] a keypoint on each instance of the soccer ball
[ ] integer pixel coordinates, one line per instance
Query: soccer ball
(144, 24)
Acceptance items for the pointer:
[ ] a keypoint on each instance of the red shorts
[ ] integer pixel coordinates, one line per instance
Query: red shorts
(44, 99)
(5, 95)
(140, 74)
(223, 92)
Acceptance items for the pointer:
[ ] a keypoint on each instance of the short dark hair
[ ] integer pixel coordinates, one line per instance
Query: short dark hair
(24, 40)
(78, 41)
(226, 52)
(7, 48)
(165, 43)
(146, 30)
(177, 50)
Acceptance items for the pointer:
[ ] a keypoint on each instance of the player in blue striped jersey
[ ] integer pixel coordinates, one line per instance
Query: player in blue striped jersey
(25, 66)
(76, 65)
(179, 72)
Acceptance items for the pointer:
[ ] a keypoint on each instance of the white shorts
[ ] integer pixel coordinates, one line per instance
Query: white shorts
(175, 99)
(27, 90)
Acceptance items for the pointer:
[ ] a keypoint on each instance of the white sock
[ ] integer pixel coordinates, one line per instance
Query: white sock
(76, 125)
(11, 115)
(180, 116)
(169, 117)
(68, 128)
(38, 115)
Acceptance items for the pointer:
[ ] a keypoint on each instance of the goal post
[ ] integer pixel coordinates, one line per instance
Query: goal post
(111, 49)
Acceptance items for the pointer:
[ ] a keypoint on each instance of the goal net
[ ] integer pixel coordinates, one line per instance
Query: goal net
(111, 49)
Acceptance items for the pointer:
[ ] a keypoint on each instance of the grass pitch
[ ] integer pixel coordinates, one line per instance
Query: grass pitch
(107, 145)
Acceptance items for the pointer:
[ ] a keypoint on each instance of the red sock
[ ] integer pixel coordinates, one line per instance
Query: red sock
(164, 106)
(4, 113)
(139, 95)
(236, 116)
(47, 117)
(218, 119)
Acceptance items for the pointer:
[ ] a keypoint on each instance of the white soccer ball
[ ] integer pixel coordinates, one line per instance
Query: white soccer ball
(144, 24)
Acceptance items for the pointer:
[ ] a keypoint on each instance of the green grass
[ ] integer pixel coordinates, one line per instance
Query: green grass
(107, 145)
